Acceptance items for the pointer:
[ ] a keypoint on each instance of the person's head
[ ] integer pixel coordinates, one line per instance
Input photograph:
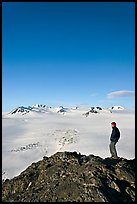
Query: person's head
(113, 124)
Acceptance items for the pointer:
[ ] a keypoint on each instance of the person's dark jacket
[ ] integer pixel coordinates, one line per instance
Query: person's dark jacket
(115, 135)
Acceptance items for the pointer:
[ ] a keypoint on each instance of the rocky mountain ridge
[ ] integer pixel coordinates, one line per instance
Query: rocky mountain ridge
(71, 176)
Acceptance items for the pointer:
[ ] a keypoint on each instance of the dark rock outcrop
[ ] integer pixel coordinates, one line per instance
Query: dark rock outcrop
(69, 176)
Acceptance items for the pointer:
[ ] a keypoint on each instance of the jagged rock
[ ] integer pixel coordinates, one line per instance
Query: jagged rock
(99, 108)
(69, 176)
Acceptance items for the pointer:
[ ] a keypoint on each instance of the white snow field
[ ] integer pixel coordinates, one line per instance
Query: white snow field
(28, 136)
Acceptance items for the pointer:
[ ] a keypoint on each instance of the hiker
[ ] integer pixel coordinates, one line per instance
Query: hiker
(115, 135)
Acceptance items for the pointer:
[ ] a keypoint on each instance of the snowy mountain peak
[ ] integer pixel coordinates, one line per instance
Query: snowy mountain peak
(117, 108)
(22, 110)
(39, 106)
(75, 108)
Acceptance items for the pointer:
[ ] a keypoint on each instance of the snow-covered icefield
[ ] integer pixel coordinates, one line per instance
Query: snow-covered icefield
(27, 138)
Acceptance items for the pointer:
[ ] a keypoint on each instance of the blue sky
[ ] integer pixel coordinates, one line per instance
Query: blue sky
(68, 53)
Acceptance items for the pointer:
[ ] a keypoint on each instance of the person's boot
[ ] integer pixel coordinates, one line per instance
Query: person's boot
(114, 157)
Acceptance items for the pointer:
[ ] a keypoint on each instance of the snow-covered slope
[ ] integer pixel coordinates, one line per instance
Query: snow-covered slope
(20, 111)
(29, 111)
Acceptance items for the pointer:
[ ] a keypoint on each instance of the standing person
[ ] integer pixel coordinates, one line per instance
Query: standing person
(115, 135)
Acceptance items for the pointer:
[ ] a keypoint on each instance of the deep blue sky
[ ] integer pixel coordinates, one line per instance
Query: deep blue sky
(67, 53)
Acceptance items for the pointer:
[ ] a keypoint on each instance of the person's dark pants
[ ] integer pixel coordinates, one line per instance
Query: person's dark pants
(113, 149)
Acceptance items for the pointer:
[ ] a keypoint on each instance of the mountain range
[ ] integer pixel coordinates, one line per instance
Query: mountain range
(40, 108)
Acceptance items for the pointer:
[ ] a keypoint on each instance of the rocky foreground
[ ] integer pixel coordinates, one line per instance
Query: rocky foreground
(69, 176)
